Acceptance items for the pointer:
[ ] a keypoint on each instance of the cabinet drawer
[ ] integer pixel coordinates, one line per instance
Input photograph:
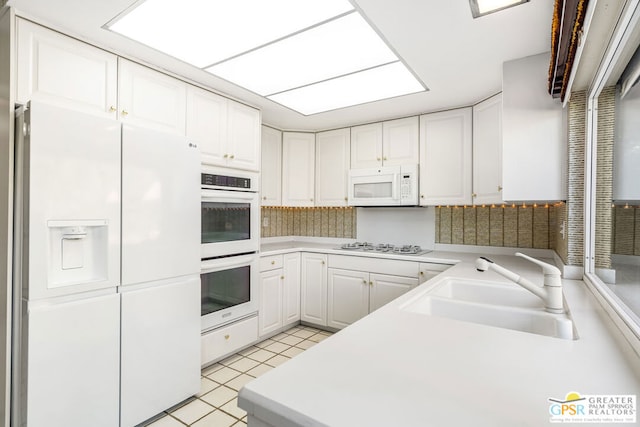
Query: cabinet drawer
(270, 262)
(375, 265)
(228, 339)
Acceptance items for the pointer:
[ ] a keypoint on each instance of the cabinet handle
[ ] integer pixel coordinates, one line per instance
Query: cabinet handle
(232, 156)
(112, 109)
(226, 156)
(124, 112)
(311, 199)
(499, 187)
(273, 262)
(422, 273)
(370, 283)
(378, 158)
(282, 277)
(322, 262)
(364, 281)
(226, 337)
(264, 198)
(422, 196)
(474, 195)
(384, 158)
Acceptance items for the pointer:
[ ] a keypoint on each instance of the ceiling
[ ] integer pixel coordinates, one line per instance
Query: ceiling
(457, 57)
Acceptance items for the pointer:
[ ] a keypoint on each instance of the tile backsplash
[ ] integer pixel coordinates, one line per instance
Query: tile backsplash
(317, 222)
(518, 226)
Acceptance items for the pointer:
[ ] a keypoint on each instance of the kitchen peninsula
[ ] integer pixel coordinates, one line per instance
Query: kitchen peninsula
(396, 367)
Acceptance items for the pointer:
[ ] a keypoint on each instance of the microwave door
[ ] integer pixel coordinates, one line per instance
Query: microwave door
(375, 190)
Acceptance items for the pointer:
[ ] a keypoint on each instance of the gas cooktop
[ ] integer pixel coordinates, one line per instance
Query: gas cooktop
(384, 248)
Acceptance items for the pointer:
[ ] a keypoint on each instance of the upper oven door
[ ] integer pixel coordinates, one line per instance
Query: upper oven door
(230, 222)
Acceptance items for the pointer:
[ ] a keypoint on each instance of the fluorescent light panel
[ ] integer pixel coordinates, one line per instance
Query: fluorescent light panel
(204, 32)
(340, 47)
(379, 83)
(310, 56)
(485, 7)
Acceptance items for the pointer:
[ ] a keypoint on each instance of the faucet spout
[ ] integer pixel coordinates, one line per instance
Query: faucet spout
(550, 292)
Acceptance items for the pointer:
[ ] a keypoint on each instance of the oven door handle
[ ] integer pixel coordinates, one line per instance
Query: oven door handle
(217, 264)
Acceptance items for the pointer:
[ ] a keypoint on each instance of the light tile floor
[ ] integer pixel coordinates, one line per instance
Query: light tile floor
(216, 404)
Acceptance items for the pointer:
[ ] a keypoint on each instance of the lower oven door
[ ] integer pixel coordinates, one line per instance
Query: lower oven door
(229, 289)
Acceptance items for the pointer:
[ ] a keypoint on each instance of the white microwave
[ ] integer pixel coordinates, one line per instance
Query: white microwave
(384, 186)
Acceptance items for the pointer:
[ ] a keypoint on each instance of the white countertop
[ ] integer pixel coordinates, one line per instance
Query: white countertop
(397, 368)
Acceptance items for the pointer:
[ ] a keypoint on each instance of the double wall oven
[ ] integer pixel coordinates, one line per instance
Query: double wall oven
(230, 240)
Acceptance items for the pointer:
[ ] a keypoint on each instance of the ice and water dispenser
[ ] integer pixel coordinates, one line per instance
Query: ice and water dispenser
(78, 252)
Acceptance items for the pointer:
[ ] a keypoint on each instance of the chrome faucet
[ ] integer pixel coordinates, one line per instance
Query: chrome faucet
(550, 292)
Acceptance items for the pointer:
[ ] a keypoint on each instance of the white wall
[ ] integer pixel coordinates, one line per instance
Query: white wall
(398, 226)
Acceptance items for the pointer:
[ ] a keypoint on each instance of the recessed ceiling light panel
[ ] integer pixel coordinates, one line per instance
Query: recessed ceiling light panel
(378, 83)
(484, 7)
(204, 32)
(340, 47)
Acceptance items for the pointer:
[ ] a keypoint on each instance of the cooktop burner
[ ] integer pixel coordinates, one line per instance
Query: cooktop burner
(385, 248)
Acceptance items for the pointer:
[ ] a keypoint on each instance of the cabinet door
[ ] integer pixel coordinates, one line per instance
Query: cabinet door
(64, 71)
(298, 160)
(385, 289)
(348, 297)
(534, 141)
(207, 124)
(400, 141)
(445, 158)
(271, 170)
(244, 137)
(270, 314)
(366, 146)
(487, 151)
(332, 167)
(313, 304)
(151, 99)
(291, 289)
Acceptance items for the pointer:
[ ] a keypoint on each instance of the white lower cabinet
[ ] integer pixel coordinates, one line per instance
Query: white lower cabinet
(348, 297)
(354, 294)
(358, 286)
(279, 292)
(228, 339)
(313, 292)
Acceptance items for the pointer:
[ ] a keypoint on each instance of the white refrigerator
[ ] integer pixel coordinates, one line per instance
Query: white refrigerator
(106, 288)
(160, 272)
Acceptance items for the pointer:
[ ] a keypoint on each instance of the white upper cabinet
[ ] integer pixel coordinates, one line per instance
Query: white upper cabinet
(151, 99)
(271, 170)
(534, 140)
(243, 137)
(298, 164)
(207, 124)
(366, 146)
(445, 157)
(332, 167)
(64, 71)
(487, 151)
(227, 132)
(400, 141)
(394, 142)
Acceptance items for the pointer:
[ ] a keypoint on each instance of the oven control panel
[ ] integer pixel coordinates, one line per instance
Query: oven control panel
(209, 179)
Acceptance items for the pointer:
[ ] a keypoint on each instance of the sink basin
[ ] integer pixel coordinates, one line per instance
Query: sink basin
(491, 304)
(486, 293)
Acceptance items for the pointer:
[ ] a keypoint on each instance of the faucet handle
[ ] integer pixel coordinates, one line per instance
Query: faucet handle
(551, 272)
